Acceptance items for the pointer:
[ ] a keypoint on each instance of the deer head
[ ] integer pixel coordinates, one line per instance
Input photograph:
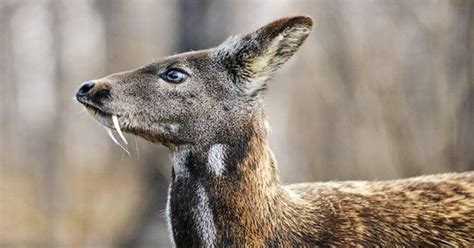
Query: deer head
(202, 97)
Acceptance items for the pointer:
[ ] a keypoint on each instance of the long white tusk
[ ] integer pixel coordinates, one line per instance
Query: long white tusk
(117, 127)
(111, 135)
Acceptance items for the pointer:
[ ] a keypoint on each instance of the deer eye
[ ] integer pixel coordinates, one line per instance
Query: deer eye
(174, 76)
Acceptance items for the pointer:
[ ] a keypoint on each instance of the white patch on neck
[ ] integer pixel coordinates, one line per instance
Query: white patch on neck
(178, 159)
(204, 218)
(215, 159)
(168, 217)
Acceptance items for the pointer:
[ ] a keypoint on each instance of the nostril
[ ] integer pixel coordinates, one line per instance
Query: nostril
(85, 88)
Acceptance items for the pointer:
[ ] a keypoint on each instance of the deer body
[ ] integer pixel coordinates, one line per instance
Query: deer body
(207, 108)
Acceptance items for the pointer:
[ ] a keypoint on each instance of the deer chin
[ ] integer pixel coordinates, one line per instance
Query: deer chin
(163, 132)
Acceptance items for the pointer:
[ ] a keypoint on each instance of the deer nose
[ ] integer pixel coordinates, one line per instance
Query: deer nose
(85, 88)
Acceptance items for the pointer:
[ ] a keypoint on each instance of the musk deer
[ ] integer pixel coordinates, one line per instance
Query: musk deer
(207, 108)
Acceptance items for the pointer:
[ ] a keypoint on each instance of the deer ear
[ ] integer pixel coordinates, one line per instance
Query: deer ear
(254, 57)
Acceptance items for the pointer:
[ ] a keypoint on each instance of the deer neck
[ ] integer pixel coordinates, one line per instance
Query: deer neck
(248, 157)
(222, 189)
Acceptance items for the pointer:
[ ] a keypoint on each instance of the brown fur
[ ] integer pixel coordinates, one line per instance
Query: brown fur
(231, 195)
(436, 210)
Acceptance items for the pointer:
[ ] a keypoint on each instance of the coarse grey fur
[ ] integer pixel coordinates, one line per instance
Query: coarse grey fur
(218, 99)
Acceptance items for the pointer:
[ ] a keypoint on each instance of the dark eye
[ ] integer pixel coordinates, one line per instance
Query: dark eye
(174, 76)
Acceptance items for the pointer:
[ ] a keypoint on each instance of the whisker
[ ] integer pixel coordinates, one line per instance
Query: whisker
(136, 147)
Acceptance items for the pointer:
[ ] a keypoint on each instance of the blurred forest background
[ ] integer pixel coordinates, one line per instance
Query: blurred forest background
(380, 90)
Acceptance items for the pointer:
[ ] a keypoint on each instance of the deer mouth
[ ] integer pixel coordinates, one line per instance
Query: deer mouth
(109, 120)
(95, 110)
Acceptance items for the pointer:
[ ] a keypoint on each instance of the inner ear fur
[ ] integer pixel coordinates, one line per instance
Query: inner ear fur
(255, 56)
